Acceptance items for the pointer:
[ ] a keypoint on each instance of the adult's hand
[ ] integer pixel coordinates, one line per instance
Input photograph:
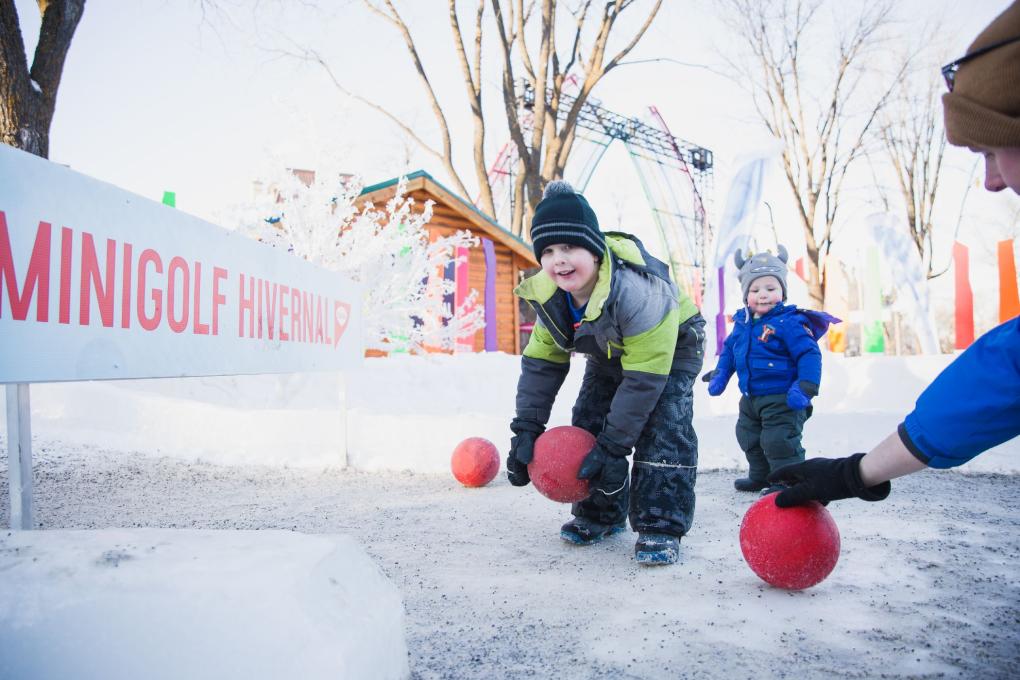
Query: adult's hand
(824, 480)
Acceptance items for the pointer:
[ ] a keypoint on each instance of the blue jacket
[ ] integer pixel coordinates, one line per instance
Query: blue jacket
(973, 405)
(769, 354)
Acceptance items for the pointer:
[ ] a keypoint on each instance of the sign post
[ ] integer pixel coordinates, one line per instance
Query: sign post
(19, 455)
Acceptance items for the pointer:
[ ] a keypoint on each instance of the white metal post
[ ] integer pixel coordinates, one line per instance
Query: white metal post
(344, 421)
(19, 455)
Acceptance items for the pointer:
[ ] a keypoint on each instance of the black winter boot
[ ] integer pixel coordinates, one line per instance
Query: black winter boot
(656, 549)
(581, 531)
(748, 484)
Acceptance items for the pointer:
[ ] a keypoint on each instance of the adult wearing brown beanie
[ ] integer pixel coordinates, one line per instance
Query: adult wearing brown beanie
(972, 405)
(982, 108)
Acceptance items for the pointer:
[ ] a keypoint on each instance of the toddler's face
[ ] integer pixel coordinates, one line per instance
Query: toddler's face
(573, 269)
(764, 294)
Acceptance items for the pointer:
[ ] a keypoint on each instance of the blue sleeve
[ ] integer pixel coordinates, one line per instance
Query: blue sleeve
(973, 405)
(803, 348)
(725, 366)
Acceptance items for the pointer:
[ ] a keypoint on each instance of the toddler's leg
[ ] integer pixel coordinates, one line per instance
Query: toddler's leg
(593, 401)
(782, 428)
(665, 462)
(749, 437)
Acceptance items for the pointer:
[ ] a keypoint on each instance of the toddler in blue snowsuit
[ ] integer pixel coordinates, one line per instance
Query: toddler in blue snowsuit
(774, 351)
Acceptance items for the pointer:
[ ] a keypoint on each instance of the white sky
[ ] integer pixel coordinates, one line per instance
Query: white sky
(155, 99)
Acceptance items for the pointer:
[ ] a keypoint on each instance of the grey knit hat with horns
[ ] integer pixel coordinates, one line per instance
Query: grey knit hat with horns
(762, 264)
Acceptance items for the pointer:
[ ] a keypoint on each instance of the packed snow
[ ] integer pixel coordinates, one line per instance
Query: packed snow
(162, 603)
(925, 587)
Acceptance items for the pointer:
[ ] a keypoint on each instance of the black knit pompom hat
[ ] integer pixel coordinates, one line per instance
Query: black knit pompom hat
(564, 216)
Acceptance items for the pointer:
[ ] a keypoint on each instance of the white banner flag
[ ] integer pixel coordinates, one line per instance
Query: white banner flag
(909, 279)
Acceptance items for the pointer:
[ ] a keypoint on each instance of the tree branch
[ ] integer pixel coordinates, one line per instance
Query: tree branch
(615, 61)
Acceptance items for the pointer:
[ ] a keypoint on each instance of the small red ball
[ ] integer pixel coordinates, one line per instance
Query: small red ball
(792, 548)
(558, 456)
(475, 462)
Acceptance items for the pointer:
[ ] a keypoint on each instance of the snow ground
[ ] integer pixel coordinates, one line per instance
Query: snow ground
(926, 586)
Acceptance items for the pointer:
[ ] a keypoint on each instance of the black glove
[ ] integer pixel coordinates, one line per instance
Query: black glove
(522, 450)
(606, 468)
(708, 376)
(825, 479)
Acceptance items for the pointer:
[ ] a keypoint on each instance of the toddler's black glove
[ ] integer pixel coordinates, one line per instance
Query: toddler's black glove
(606, 468)
(522, 450)
(825, 479)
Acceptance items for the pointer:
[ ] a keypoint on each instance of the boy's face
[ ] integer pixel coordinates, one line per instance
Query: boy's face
(573, 269)
(1002, 168)
(764, 294)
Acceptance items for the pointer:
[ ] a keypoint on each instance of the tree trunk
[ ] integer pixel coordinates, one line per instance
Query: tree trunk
(25, 124)
(28, 97)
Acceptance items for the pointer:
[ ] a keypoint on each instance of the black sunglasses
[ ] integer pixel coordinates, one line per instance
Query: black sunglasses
(950, 69)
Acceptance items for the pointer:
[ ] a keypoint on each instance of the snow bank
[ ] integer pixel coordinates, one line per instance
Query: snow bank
(254, 419)
(163, 603)
(408, 413)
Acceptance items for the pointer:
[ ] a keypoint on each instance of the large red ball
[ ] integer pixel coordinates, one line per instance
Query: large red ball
(475, 461)
(792, 548)
(558, 455)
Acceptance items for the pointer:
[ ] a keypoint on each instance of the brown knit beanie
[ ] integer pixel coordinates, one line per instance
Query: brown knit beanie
(983, 110)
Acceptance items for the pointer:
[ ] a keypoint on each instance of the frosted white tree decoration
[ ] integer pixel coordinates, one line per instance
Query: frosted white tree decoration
(406, 306)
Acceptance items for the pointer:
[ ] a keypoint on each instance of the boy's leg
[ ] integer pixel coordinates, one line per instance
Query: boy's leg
(749, 433)
(665, 462)
(782, 428)
(593, 401)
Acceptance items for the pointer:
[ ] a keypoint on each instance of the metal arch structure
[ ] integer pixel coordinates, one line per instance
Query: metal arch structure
(676, 177)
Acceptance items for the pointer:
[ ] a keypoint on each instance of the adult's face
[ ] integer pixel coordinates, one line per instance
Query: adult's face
(1002, 168)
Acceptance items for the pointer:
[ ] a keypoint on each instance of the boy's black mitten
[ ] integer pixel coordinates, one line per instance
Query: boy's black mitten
(825, 479)
(522, 450)
(606, 468)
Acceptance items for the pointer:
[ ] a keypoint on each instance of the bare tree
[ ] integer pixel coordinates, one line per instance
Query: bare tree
(526, 38)
(28, 96)
(823, 107)
(914, 141)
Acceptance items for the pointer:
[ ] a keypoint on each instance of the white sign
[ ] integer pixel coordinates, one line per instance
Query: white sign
(99, 283)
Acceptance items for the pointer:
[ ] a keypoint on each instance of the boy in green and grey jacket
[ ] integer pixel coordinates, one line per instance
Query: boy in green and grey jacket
(603, 295)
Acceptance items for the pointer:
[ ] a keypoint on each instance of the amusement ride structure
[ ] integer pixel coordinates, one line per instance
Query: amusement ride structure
(676, 177)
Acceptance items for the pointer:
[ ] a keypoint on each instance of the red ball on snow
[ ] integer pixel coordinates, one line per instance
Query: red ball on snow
(791, 548)
(475, 461)
(558, 455)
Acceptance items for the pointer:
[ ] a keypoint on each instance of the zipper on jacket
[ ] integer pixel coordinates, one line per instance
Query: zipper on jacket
(549, 321)
(747, 357)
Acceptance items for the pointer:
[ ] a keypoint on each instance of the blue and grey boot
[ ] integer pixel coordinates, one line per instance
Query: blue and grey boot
(656, 549)
(581, 531)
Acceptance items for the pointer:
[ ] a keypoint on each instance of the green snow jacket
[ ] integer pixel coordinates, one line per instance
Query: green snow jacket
(635, 322)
